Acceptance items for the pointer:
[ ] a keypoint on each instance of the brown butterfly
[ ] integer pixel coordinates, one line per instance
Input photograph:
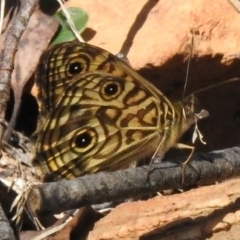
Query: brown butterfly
(101, 115)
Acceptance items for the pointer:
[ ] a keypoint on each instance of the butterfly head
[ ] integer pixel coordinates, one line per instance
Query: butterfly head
(191, 108)
(192, 114)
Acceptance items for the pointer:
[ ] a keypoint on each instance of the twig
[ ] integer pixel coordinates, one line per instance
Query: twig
(235, 4)
(6, 232)
(2, 5)
(203, 169)
(70, 21)
(10, 48)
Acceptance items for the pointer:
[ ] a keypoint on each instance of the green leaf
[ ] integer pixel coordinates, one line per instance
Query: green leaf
(79, 18)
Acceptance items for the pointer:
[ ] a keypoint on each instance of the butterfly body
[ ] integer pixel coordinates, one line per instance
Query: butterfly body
(103, 118)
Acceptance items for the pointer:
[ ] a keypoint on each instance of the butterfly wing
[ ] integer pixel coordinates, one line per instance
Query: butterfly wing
(62, 62)
(101, 122)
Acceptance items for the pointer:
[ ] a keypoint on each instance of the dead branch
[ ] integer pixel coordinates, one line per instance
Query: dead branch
(203, 169)
(10, 48)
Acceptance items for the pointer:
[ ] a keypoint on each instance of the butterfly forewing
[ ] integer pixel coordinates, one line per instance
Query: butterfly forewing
(62, 62)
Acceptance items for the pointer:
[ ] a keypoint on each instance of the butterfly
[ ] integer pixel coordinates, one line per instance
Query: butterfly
(101, 115)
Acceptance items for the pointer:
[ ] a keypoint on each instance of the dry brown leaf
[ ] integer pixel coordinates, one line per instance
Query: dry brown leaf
(34, 41)
(76, 226)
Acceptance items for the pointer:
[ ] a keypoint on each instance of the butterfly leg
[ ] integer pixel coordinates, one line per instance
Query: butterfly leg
(157, 153)
(184, 146)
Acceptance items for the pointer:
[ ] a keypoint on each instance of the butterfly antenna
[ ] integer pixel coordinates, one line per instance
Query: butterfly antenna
(236, 79)
(188, 67)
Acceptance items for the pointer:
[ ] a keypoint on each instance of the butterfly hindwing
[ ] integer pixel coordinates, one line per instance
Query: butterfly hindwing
(114, 116)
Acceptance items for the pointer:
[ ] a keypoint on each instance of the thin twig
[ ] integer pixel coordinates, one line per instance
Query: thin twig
(2, 4)
(7, 58)
(70, 21)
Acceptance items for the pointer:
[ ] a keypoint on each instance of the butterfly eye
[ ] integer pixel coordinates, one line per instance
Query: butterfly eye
(84, 140)
(75, 68)
(111, 90)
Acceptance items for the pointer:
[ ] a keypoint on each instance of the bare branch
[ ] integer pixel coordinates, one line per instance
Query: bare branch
(203, 169)
(10, 48)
